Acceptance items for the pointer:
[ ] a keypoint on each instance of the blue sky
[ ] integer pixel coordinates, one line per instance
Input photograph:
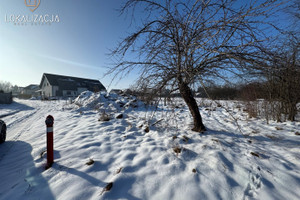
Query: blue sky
(76, 46)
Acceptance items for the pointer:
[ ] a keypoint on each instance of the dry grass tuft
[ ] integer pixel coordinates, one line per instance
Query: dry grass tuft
(104, 117)
(119, 170)
(43, 153)
(215, 140)
(272, 137)
(147, 129)
(120, 116)
(185, 139)
(177, 150)
(255, 154)
(107, 188)
(90, 162)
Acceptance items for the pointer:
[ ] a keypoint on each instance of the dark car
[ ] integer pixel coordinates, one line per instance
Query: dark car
(2, 131)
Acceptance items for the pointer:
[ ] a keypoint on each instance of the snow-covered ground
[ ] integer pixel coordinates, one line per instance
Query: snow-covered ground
(147, 153)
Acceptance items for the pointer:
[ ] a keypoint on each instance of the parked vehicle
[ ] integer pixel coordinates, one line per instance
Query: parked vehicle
(2, 131)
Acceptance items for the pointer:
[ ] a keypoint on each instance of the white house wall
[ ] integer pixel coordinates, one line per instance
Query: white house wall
(47, 88)
(54, 91)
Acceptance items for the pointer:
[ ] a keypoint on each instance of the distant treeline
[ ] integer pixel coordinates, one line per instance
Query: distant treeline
(250, 91)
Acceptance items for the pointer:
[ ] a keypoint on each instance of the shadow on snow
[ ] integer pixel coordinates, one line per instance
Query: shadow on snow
(20, 178)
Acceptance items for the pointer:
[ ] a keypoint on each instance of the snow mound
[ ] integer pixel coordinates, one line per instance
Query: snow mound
(106, 102)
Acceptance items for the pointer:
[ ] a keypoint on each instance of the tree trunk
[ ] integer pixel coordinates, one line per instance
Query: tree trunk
(189, 99)
(292, 110)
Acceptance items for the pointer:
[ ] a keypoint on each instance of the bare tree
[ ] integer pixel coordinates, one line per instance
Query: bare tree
(283, 74)
(283, 79)
(5, 86)
(182, 42)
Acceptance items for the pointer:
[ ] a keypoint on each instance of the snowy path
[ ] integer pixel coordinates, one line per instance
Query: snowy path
(16, 162)
(22, 122)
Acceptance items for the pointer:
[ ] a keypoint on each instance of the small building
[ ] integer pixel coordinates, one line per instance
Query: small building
(57, 86)
(16, 91)
(30, 90)
(5, 98)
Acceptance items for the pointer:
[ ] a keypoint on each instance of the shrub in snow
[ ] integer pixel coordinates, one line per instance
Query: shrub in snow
(104, 117)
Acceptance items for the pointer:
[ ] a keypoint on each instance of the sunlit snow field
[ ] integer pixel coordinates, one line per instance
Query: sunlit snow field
(148, 153)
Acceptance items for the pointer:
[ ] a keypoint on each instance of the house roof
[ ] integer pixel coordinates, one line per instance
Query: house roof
(32, 87)
(72, 83)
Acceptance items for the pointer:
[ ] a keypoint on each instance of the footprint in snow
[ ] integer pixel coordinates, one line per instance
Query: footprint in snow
(253, 186)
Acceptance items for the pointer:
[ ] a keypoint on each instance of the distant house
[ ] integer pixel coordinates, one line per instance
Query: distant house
(53, 86)
(16, 91)
(30, 90)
